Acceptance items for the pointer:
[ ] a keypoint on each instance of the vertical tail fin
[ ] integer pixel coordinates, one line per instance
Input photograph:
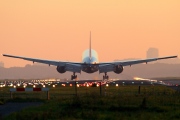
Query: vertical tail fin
(90, 46)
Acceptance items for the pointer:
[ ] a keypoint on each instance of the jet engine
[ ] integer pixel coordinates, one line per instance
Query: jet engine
(118, 69)
(61, 69)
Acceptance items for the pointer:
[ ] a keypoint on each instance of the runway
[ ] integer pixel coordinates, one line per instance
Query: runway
(45, 82)
(120, 82)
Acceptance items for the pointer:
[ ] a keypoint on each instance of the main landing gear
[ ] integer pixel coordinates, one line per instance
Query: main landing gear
(105, 76)
(73, 77)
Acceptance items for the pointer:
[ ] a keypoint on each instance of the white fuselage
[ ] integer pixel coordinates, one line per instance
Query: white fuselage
(90, 62)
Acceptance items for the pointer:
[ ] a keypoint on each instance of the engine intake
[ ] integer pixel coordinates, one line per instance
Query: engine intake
(61, 69)
(118, 69)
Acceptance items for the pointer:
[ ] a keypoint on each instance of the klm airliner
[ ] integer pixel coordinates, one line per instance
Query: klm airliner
(90, 63)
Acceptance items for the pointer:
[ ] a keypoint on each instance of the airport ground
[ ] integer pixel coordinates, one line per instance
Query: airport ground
(117, 100)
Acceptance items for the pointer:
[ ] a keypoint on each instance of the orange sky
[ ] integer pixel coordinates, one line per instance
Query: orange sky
(59, 29)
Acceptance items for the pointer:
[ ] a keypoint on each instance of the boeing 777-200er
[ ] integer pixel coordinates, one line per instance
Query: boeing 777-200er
(90, 63)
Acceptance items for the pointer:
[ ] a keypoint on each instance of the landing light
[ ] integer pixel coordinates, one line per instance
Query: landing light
(107, 85)
(117, 85)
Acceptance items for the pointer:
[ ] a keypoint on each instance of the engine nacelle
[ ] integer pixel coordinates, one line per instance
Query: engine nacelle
(61, 69)
(118, 69)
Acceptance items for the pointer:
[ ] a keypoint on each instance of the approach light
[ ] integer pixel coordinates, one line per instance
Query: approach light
(117, 85)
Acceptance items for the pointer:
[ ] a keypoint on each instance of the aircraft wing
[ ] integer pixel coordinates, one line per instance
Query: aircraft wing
(109, 66)
(70, 66)
(132, 62)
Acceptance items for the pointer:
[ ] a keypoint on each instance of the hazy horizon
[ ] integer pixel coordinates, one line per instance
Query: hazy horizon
(168, 61)
(59, 30)
(44, 71)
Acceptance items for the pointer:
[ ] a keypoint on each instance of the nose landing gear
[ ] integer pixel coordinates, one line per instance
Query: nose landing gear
(73, 77)
(105, 76)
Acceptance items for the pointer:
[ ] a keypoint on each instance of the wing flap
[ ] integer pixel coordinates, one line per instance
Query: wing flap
(132, 62)
(106, 68)
(49, 62)
(70, 66)
(73, 67)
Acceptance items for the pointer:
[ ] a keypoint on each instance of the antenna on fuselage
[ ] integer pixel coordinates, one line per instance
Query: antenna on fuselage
(90, 46)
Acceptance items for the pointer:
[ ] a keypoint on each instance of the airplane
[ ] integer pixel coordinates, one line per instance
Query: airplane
(90, 63)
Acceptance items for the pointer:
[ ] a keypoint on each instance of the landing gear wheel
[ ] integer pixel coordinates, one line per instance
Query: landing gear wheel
(105, 77)
(73, 77)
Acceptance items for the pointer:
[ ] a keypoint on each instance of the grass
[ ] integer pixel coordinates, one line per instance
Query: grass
(123, 102)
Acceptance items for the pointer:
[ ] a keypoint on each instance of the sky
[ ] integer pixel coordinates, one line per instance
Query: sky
(59, 29)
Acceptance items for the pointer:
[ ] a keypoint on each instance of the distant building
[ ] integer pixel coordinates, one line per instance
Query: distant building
(1, 64)
(152, 52)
